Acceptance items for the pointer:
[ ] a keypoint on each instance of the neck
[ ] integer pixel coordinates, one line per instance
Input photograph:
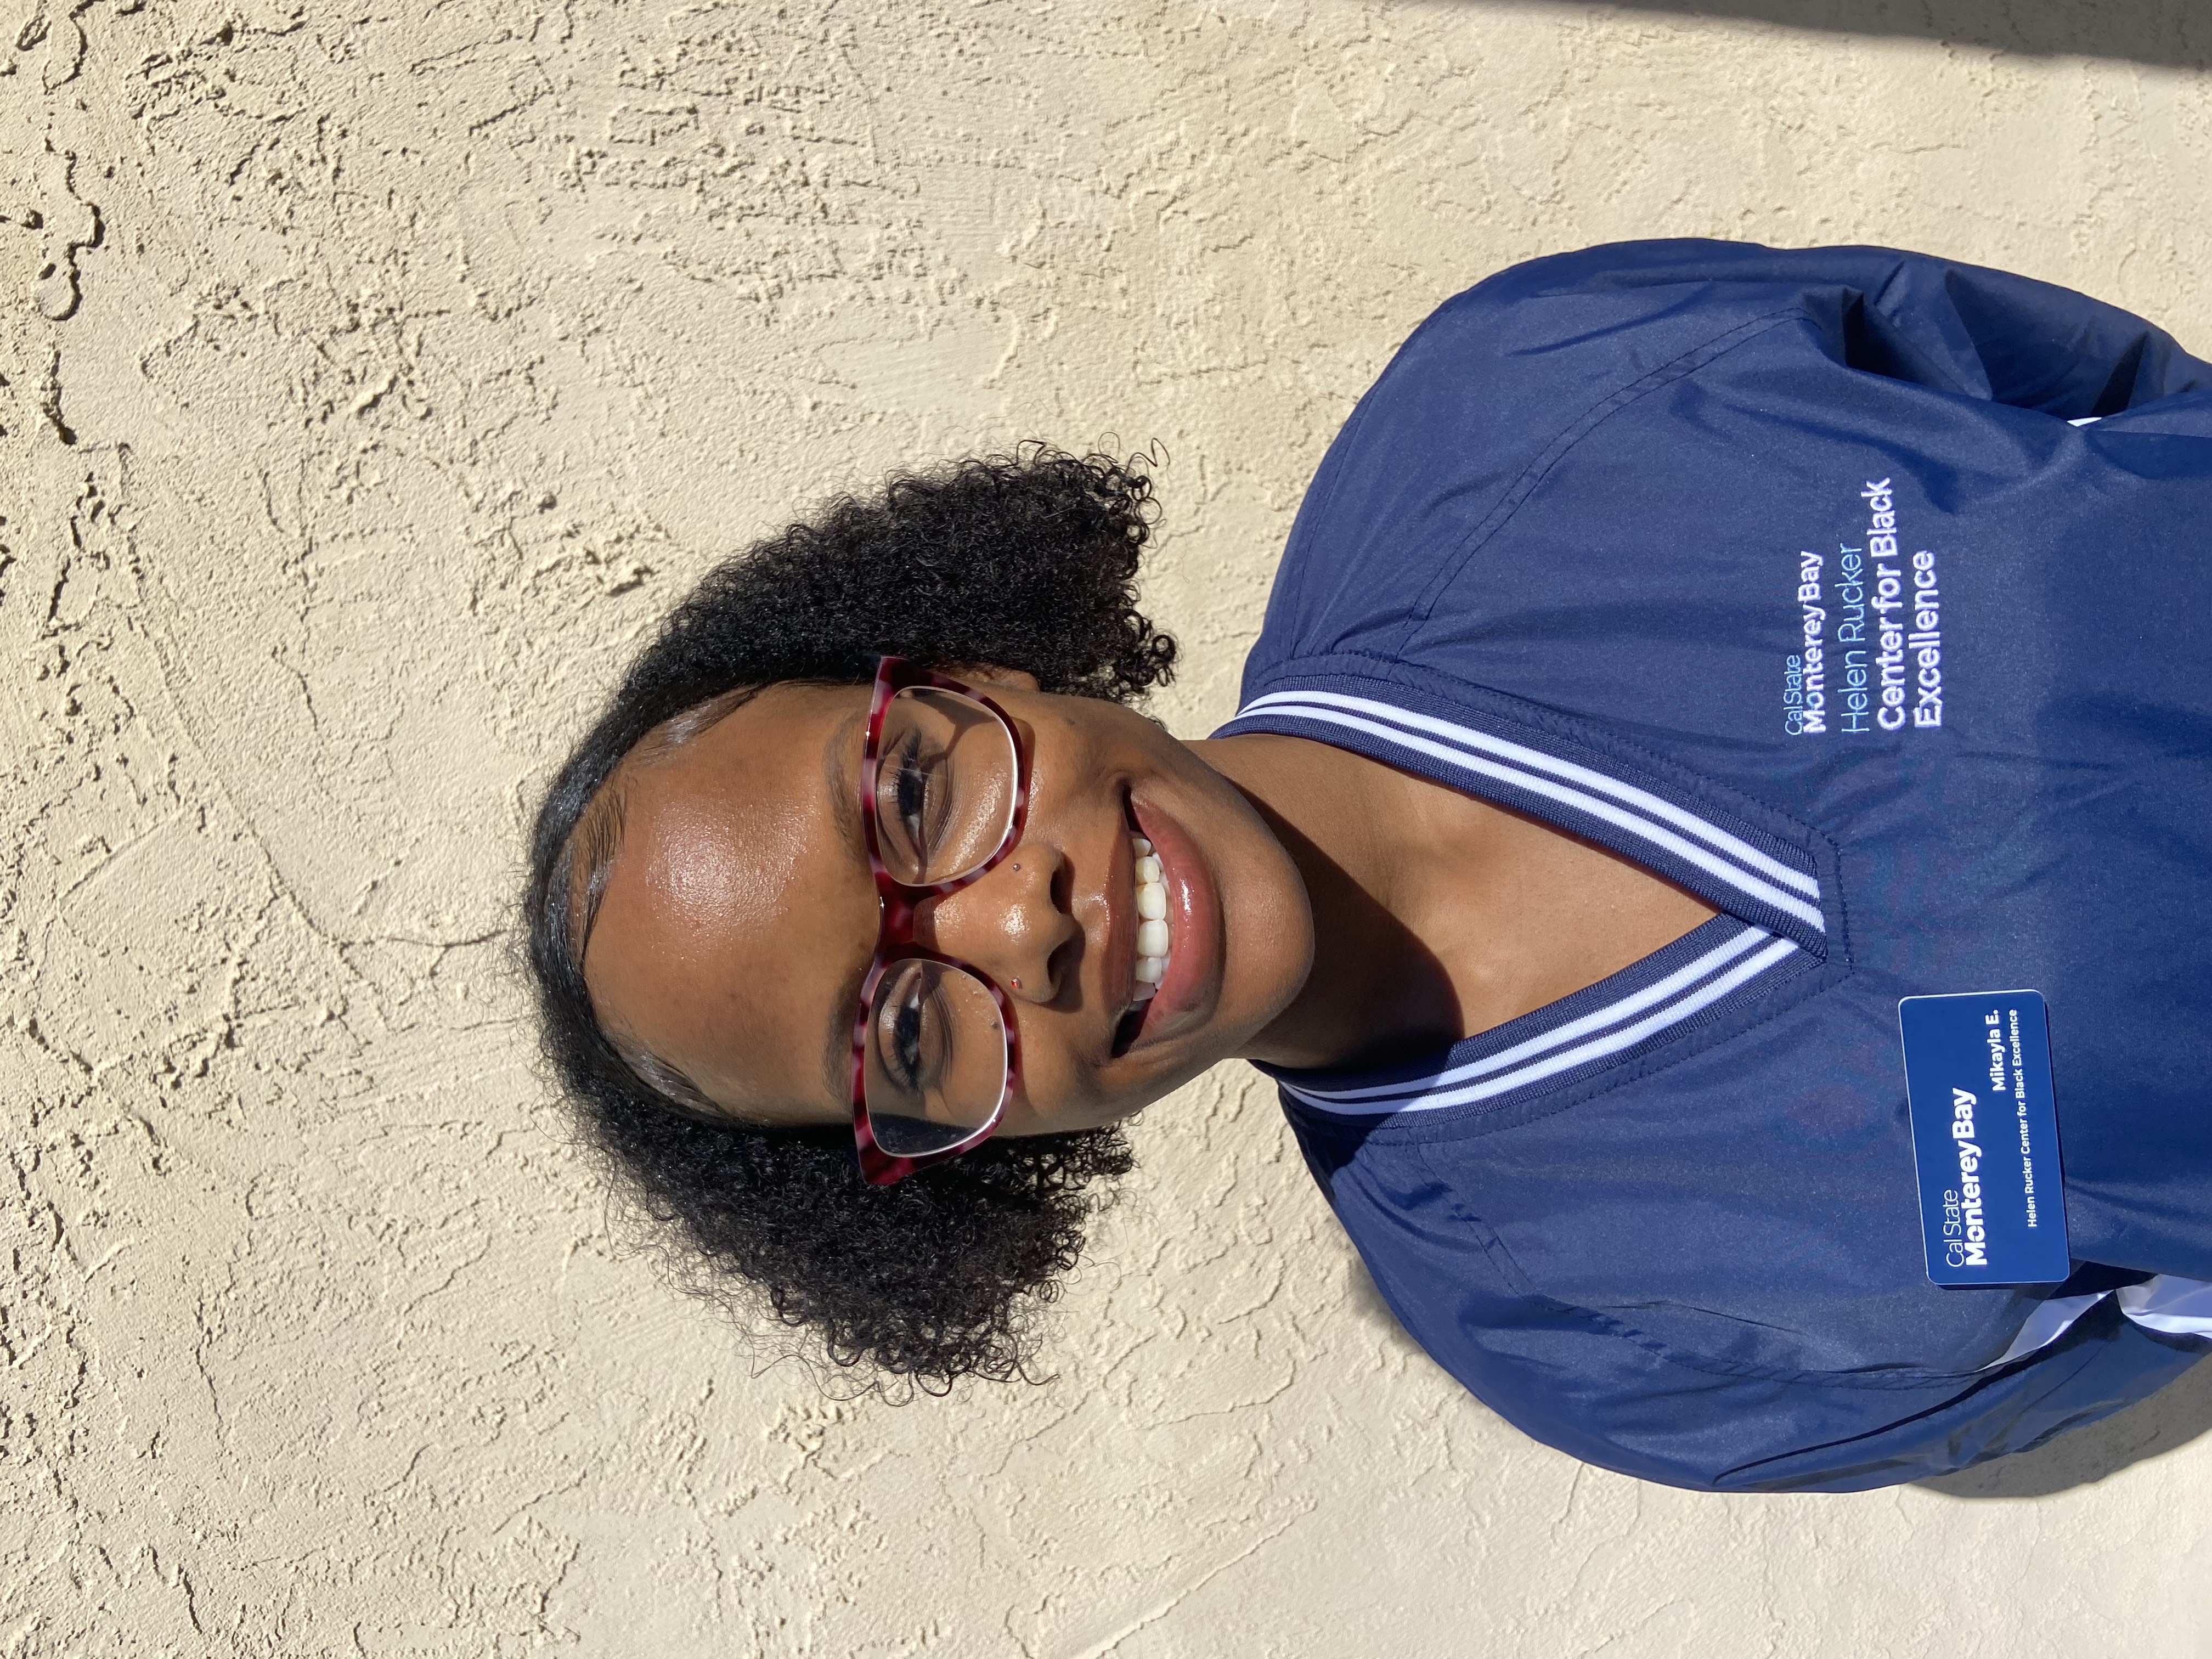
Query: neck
(1357, 833)
(1435, 914)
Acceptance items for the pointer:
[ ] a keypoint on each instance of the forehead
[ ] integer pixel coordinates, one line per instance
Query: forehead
(736, 909)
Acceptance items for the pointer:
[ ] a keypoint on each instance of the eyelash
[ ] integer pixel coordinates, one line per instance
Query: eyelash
(906, 1042)
(910, 777)
(906, 1038)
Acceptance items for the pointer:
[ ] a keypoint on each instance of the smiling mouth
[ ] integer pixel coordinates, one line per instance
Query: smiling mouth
(1153, 938)
(1153, 941)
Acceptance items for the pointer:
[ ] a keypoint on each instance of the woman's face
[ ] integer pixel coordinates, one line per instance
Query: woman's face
(739, 916)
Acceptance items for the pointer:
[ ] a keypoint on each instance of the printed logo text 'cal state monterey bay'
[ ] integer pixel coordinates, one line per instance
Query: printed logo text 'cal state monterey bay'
(1870, 654)
(1985, 1137)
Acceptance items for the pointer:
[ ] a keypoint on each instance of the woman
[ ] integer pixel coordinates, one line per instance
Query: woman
(1687, 654)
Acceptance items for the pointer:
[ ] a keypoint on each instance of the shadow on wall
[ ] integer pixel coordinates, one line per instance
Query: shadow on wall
(2177, 33)
(2174, 1417)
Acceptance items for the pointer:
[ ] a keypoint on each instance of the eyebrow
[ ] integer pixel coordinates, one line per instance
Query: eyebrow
(591, 844)
(842, 781)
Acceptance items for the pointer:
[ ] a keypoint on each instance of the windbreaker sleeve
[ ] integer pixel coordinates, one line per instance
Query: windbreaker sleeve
(1958, 328)
(1604, 1389)
(1504, 380)
(1598, 1389)
(2110, 1366)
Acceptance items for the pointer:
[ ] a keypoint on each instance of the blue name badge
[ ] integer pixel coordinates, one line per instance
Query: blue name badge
(1985, 1137)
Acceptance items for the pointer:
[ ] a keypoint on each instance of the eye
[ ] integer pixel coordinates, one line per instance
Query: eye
(922, 792)
(911, 784)
(903, 1052)
(919, 1029)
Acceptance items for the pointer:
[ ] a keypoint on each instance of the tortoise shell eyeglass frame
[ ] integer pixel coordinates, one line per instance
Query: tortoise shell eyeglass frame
(900, 901)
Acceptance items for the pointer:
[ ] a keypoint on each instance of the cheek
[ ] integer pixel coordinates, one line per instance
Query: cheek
(1058, 1090)
(1075, 765)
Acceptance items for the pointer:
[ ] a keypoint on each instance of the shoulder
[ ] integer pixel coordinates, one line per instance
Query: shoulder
(1634, 366)
(1495, 384)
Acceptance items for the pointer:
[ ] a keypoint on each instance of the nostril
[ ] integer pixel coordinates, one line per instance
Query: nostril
(1063, 968)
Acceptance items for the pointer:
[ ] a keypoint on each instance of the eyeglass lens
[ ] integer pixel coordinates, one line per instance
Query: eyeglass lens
(936, 1052)
(936, 1059)
(944, 785)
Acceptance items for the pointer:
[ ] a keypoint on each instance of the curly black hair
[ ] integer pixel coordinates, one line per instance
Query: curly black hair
(1026, 561)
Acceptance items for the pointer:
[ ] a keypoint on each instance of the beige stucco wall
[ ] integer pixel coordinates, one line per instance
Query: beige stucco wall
(415, 355)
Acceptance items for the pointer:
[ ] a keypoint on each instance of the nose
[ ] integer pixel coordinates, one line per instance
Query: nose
(1014, 924)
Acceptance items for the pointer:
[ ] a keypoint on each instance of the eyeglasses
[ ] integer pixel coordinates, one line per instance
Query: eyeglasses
(945, 792)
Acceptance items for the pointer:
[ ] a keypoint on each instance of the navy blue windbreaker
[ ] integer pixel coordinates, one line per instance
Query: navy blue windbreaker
(1788, 575)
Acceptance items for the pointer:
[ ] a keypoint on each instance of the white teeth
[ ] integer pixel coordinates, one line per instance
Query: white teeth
(1152, 935)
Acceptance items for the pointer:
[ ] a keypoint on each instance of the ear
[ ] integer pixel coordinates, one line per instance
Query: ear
(984, 673)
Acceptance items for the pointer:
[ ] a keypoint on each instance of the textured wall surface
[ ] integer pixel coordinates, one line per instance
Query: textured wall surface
(371, 377)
